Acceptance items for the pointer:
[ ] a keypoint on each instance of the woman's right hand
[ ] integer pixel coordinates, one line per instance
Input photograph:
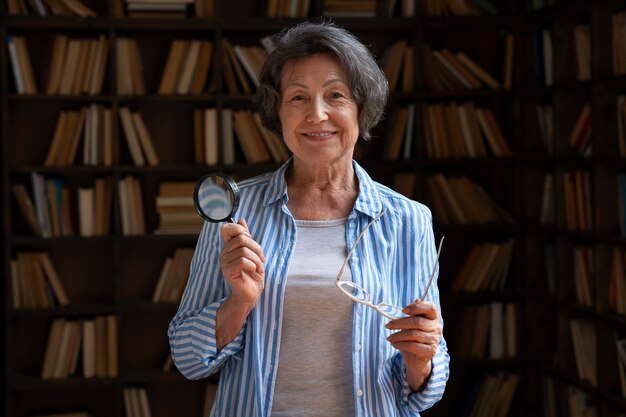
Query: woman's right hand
(242, 261)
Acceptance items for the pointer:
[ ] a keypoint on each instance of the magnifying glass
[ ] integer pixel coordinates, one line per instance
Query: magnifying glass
(216, 198)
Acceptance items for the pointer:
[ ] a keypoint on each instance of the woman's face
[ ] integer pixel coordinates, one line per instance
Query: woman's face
(318, 116)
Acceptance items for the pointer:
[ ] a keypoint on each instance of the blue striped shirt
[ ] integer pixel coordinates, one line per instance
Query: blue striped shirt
(393, 262)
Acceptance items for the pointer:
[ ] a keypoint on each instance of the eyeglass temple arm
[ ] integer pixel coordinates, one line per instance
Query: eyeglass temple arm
(432, 274)
(355, 243)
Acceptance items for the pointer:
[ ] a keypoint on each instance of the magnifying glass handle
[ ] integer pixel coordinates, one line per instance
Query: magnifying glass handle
(231, 220)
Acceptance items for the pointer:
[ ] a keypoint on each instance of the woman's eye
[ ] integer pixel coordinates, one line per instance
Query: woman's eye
(336, 95)
(297, 98)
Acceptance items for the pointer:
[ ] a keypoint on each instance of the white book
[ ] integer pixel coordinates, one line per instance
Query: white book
(15, 65)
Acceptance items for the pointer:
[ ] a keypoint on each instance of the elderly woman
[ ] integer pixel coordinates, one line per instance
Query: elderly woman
(264, 304)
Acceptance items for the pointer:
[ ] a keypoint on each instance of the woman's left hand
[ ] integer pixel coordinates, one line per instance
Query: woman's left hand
(418, 334)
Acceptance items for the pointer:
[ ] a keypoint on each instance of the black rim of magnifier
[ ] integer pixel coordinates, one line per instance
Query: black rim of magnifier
(233, 187)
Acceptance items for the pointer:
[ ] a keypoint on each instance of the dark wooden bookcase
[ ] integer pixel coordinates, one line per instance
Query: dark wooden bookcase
(116, 274)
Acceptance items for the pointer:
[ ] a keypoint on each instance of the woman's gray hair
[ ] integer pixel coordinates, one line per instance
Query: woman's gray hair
(367, 82)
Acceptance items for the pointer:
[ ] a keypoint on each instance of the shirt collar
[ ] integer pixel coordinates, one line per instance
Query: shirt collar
(367, 202)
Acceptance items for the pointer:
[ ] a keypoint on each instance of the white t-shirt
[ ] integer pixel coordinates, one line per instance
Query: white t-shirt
(314, 377)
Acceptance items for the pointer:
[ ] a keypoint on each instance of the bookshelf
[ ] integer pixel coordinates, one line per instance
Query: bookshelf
(527, 298)
(571, 250)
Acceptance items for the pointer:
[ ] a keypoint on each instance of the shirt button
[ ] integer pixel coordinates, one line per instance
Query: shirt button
(351, 225)
(355, 258)
(357, 347)
(359, 392)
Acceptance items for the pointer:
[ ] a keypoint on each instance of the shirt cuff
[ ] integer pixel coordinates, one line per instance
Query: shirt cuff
(205, 346)
(433, 388)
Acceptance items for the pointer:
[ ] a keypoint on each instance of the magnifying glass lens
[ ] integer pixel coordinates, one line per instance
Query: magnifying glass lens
(216, 198)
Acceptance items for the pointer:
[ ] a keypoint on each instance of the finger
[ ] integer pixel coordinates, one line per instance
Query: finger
(229, 257)
(415, 336)
(422, 308)
(232, 230)
(238, 266)
(244, 241)
(421, 351)
(414, 322)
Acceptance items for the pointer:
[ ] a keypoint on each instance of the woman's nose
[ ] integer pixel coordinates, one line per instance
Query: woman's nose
(317, 111)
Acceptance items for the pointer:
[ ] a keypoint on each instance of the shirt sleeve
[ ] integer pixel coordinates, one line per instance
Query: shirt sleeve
(413, 403)
(191, 332)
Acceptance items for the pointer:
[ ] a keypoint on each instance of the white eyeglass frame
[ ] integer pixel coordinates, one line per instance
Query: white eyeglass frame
(368, 298)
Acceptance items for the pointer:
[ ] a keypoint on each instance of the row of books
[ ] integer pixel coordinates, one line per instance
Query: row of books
(445, 70)
(49, 8)
(173, 277)
(544, 54)
(175, 209)
(485, 268)
(242, 64)
(242, 127)
(136, 402)
(397, 62)
(138, 138)
(78, 67)
(58, 210)
(35, 282)
(288, 8)
(463, 130)
(492, 395)
(459, 8)
(94, 340)
(90, 126)
(187, 67)
(488, 331)
(461, 201)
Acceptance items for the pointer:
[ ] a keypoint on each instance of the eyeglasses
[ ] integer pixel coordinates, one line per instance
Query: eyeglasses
(359, 295)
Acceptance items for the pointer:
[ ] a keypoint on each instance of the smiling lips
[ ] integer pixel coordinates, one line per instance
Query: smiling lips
(318, 134)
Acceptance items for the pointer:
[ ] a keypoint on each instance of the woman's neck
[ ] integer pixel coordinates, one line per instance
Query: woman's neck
(321, 193)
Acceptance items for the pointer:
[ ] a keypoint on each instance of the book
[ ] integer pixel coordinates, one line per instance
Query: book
(173, 66)
(145, 139)
(249, 137)
(27, 208)
(582, 48)
(53, 278)
(477, 70)
(583, 335)
(201, 70)
(211, 142)
(132, 139)
(188, 68)
(580, 136)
